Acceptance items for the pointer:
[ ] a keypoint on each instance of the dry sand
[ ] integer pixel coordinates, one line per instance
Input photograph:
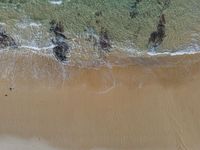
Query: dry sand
(150, 104)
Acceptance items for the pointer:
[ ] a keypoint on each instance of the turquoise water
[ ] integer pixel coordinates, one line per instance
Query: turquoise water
(129, 24)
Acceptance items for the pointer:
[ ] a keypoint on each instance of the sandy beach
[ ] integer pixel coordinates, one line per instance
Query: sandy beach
(145, 105)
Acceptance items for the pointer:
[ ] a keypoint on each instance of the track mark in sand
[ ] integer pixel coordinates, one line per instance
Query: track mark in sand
(180, 144)
(176, 126)
(108, 89)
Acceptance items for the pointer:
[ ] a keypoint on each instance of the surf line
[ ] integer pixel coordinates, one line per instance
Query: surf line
(36, 48)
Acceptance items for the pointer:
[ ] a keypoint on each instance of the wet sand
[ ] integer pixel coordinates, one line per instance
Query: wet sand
(150, 103)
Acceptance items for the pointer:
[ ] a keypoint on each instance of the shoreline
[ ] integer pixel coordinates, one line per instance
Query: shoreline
(32, 66)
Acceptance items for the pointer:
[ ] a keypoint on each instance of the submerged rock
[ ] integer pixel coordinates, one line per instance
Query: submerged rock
(62, 48)
(104, 40)
(60, 51)
(57, 28)
(157, 37)
(6, 40)
(98, 13)
(134, 9)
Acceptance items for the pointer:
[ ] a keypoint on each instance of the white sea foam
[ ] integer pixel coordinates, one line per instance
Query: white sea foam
(158, 53)
(12, 143)
(56, 2)
(27, 24)
(37, 48)
(2, 23)
(188, 51)
(33, 24)
(192, 49)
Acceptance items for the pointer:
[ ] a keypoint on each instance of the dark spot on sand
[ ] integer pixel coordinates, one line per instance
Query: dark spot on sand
(6, 95)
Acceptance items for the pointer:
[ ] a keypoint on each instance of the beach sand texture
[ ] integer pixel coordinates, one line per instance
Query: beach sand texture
(141, 106)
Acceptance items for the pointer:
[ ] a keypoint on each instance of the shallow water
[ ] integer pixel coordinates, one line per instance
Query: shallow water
(28, 22)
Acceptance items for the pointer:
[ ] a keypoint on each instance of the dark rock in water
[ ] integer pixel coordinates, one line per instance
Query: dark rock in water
(57, 28)
(153, 37)
(60, 51)
(104, 40)
(98, 13)
(97, 21)
(157, 37)
(53, 25)
(134, 9)
(62, 48)
(6, 40)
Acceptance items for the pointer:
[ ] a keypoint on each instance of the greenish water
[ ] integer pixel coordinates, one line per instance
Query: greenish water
(125, 31)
